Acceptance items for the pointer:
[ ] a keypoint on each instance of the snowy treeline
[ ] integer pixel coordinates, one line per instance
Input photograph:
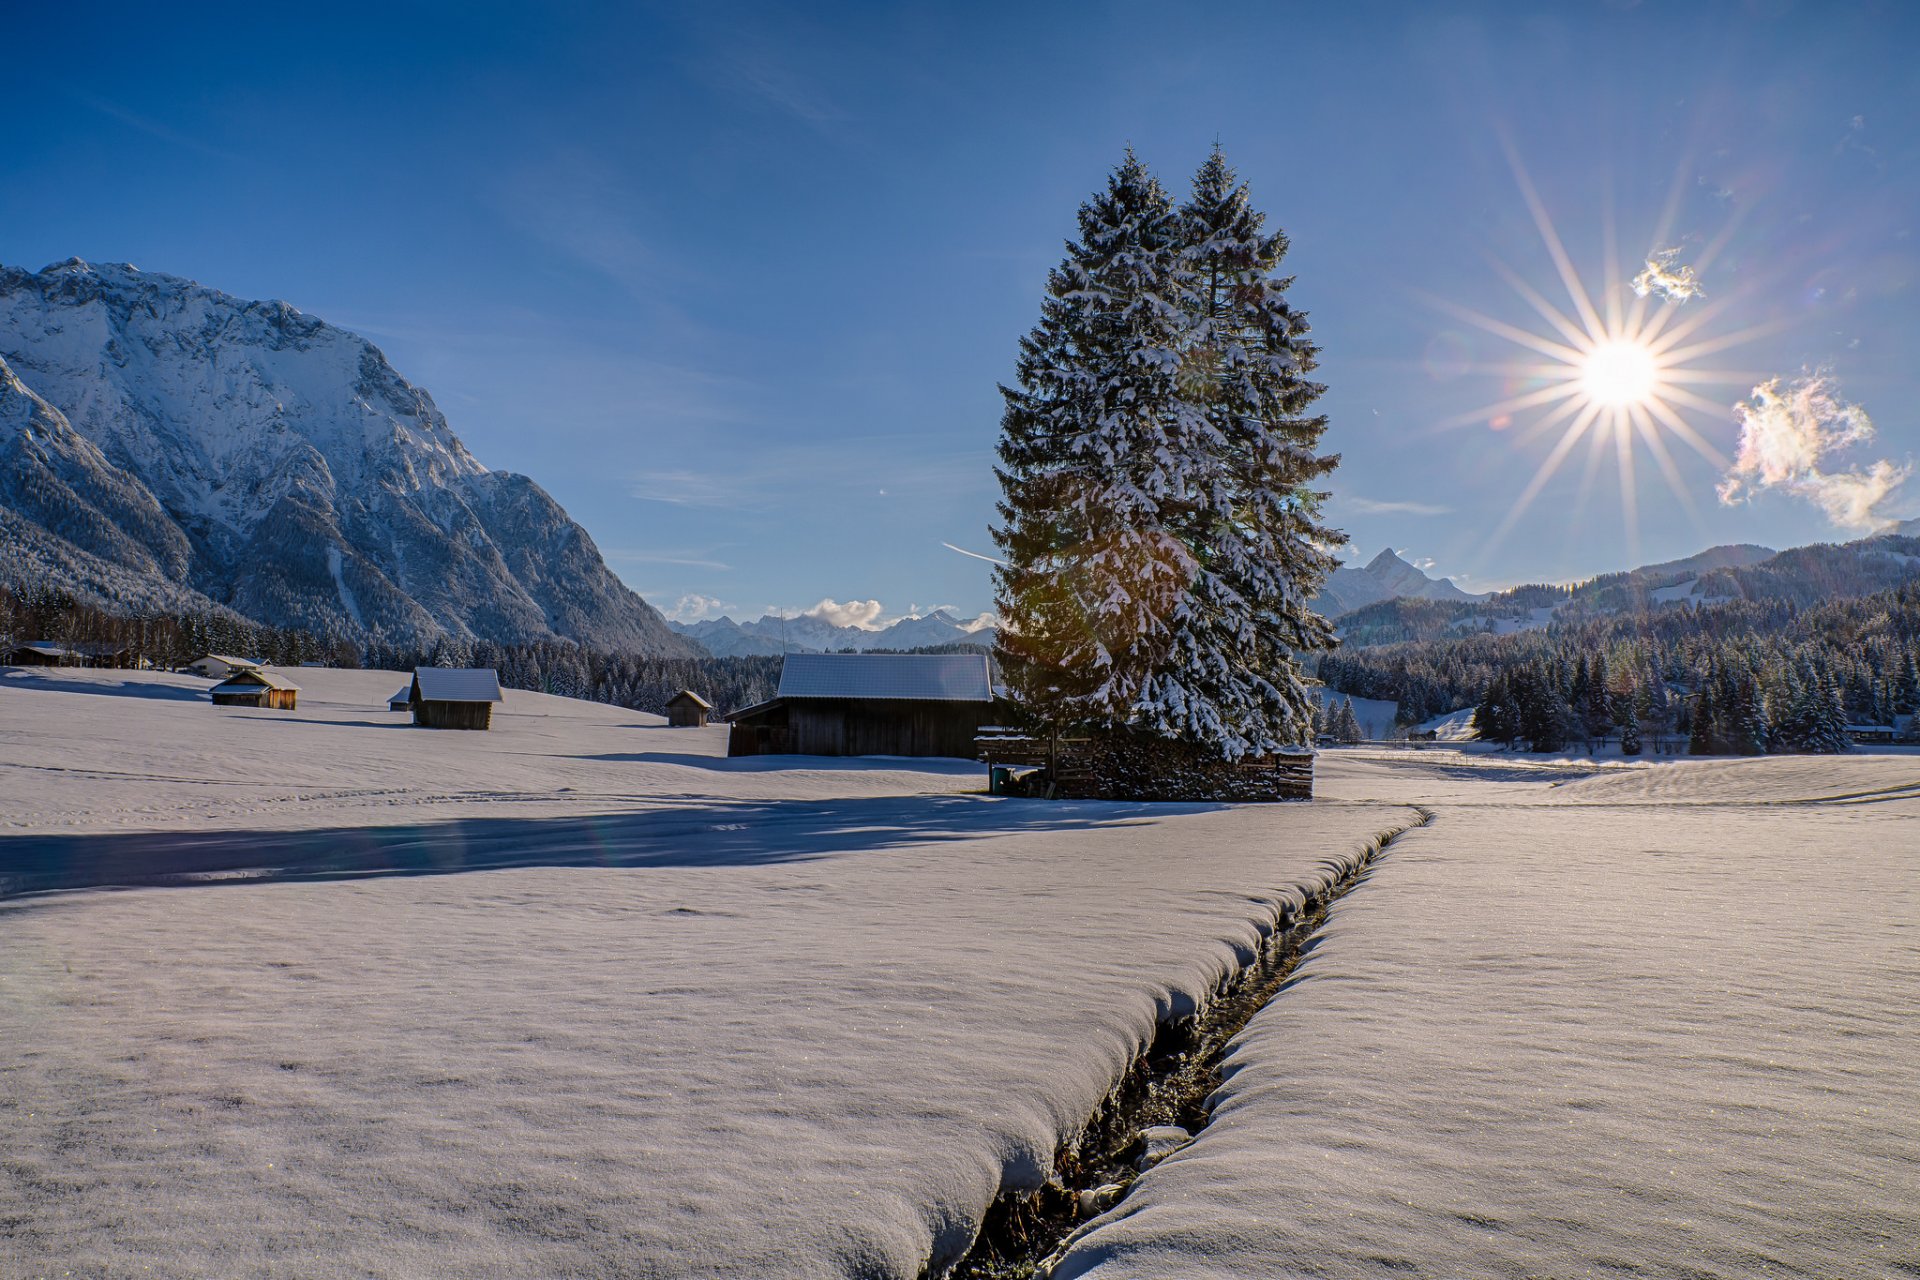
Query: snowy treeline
(1735, 678)
(169, 640)
(1161, 535)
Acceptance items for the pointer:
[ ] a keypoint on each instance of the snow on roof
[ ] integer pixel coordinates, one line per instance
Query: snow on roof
(229, 659)
(928, 677)
(688, 695)
(404, 695)
(457, 684)
(255, 678)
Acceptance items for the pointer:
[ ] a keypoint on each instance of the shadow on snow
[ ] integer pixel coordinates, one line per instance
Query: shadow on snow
(706, 834)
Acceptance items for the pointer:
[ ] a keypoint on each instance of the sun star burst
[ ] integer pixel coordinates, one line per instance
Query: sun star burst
(1619, 372)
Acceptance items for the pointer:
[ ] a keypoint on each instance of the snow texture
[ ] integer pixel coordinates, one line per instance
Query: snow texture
(1653, 1020)
(574, 997)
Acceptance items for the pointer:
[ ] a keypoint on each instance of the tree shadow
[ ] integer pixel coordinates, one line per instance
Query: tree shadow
(944, 766)
(31, 679)
(704, 834)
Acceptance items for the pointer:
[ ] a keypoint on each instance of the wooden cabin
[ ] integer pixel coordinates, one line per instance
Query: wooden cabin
(454, 697)
(870, 704)
(402, 700)
(253, 687)
(221, 666)
(687, 710)
(56, 653)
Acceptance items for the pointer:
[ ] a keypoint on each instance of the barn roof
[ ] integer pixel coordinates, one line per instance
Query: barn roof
(404, 695)
(457, 684)
(255, 678)
(920, 677)
(229, 659)
(688, 695)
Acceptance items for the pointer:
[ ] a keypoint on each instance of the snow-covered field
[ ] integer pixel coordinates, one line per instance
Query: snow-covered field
(599, 1005)
(319, 994)
(1658, 1021)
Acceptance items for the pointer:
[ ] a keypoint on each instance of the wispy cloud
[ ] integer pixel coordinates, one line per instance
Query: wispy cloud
(685, 559)
(848, 471)
(579, 204)
(152, 128)
(1667, 276)
(1787, 431)
(680, 487)
(1375, 507)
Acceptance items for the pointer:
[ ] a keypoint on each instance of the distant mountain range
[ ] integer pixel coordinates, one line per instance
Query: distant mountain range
(1799, 575)
(1385, 577)
(164, 444)
(773, 634)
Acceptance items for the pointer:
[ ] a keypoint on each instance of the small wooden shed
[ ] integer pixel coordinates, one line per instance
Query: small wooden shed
(454, 697)
(252, 687)
(687, 710)
(402, 700)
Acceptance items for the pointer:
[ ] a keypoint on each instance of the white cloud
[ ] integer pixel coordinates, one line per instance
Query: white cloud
(1374, 507)
(1786, 431)
(1672, 281)
(696, 608)
(683, 488)
(865, 614)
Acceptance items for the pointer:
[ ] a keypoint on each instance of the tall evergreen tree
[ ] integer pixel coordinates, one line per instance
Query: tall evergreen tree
(1161, 537)
(1090, 577)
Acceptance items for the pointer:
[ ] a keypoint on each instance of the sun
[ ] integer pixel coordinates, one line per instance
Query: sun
(1620, 374)
(1614, 366)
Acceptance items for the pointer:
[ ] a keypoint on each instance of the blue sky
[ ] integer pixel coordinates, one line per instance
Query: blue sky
(736, 283)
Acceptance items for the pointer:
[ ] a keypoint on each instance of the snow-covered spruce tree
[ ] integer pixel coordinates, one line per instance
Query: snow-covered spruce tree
(1161, 537)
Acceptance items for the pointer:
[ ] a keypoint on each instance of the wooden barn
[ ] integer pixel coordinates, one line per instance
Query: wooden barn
(401, 700)
(870, 704)
(687, 710)
(56, 653)
(454, 697)
(220, 666)
(252, 687)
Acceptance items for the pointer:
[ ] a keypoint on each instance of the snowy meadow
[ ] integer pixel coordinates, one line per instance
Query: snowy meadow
(317, 993)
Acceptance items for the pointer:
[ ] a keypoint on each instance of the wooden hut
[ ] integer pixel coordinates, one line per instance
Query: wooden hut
(252, 687)
(221, 666)
(687, 710)
(454, 697)
(41, 653)
(403, 700)
(56, 653)
(870, 704)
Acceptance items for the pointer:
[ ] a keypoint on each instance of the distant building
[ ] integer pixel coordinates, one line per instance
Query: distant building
(687, 710)
(870, 704)
(403, 700)
(253, 687)
(454, 697)
(219, 666)
(55, 653)
(1872, 735)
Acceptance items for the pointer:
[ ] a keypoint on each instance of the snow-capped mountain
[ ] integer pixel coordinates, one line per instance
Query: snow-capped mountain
(772, 634)
(1385, 577)
(164, 442)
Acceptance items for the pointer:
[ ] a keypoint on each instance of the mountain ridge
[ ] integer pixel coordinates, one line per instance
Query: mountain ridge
(162, 441)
